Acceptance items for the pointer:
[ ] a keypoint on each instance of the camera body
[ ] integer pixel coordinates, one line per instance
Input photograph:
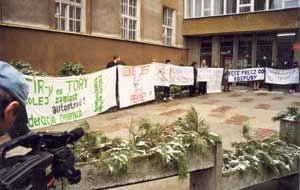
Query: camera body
(48, 160)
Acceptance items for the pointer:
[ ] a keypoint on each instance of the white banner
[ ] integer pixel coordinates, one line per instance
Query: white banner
(136, 85)
(160, 73)
(213, 76)
(181, 75)
(54, 100)
(242, 75)
(282, 76)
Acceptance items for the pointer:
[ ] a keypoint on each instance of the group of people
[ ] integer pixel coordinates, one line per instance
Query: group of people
(292, 87)
(200, 88)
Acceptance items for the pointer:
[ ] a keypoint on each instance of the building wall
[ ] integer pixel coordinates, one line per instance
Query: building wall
(47, 50)
(26, 12)
(152, 20)
(249, 22)
(106, 18)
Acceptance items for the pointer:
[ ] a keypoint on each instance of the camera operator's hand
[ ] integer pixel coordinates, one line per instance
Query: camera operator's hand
(13, 95)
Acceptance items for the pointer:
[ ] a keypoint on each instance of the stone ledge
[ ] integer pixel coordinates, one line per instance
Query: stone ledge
(141, 171)
(236, 180)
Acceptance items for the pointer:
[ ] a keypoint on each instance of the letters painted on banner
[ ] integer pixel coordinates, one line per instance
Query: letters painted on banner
(136, 85)
(160, 73)
(181, 75)
(243, 75)
(54, 100)
(282, 76)
(167, 74)
(213, 76)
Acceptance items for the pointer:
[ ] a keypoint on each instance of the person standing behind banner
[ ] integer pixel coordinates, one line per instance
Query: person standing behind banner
(203, 84)
(166, 89)
(193, 88)
(270, 85)
(116, 60)
(225, 77)
(256, 84)
(294, 86)
(215, 65)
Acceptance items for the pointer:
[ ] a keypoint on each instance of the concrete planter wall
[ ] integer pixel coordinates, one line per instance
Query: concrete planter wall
(142, 170)
(290, 131)
(249, 178)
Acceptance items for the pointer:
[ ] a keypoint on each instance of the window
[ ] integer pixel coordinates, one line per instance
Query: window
(199, 8)
(206, 50)
(260, 5)
(264, 50)
(285, 53)
(226, 47)
(230, 6)
(168, 26)
(189, 7)
(290, 3)
(203, 8)
(275, 4)
(244, 52)
(244, 6)
(69, 15)
(207, 7)
(130, 19)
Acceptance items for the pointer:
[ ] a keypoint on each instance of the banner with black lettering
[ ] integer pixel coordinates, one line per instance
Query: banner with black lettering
(181, 75)
(244, 75)
(213, 77)
(168, 74)
(55, 100)
(136, 85)
(160, 73)
(282, 76)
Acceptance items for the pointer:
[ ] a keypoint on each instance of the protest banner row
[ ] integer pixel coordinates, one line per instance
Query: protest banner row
(166, 75)
(55, 100)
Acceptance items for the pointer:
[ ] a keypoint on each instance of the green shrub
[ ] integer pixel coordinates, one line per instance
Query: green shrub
(169, 144)
(71, 68)
(25, 68)
(270, 153)
(291, 113)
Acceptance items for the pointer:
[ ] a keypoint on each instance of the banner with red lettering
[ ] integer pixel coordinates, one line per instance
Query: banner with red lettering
(136, 85)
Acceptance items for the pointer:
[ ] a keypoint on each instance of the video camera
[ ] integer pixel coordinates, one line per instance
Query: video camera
(48, 160)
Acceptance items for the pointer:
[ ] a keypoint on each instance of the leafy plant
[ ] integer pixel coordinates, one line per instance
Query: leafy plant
(291, 113)
(169, 144)
(71, 68)
(25, 68)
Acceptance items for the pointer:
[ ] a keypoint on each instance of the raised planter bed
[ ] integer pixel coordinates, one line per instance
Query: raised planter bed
(143, 169)
(236, 180)
(290, 131)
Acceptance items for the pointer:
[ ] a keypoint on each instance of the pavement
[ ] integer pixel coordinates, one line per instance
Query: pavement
(225, 113)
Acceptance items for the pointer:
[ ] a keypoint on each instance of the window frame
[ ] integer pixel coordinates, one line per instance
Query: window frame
(245, 5)
(130, 18)
(171, 27)
(283, 5)
(69, 3)
(210, 9)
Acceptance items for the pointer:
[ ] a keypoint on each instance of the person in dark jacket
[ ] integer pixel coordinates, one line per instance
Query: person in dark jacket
(193, 88)
(270, 85)
(294, 86)
(166, 89)
(116, 60)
